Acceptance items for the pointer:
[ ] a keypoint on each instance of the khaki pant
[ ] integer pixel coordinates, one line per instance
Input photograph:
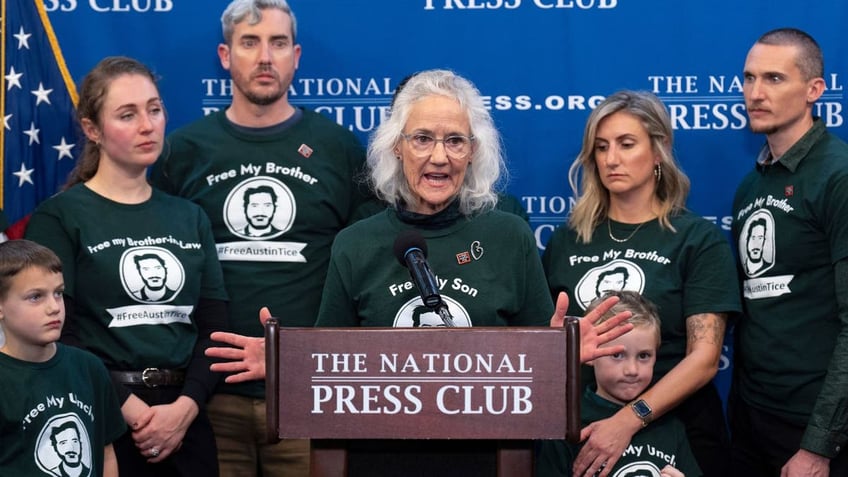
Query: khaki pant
(239, 425)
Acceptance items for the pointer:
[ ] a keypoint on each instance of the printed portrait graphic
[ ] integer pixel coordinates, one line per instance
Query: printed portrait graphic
(414, 314)
(613, 276)
(756, 243)
(151, 274)
(259, 208)
(611, 280)
(64, 447)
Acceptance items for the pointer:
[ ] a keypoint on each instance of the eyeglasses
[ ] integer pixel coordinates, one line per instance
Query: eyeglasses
(457, 145)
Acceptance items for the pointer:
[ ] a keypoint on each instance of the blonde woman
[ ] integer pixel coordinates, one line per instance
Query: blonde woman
(630, 230)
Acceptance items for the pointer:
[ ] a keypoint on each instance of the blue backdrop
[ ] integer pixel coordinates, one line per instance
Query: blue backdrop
(542, 63)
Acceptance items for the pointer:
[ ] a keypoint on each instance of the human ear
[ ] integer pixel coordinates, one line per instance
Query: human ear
(815, 90)
(91, 131)
(224, 55)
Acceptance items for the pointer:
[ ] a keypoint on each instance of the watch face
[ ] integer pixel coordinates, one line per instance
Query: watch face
(642, 408)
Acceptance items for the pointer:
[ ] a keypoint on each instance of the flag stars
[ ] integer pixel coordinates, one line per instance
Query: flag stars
(24, 175)
(13, 79)
(32, 132)
(41, 94)
(37, 129)
(23, 38)
(64, 149)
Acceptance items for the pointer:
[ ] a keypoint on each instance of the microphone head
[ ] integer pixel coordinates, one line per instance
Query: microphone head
(406, 241)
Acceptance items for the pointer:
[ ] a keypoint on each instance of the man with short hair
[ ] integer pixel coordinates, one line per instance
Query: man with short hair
(789, 405)
(313, 164)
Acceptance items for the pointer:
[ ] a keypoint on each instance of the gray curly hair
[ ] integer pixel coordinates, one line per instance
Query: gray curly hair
(478, 192)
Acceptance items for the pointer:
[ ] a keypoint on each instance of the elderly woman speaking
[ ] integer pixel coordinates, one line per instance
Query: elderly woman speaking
(436, 161)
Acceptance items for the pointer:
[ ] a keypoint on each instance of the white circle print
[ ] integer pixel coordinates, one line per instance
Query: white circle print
(414, 314)
(260, 208)
(63, 446)
(151, 274)
(756, 243)
(638, 469)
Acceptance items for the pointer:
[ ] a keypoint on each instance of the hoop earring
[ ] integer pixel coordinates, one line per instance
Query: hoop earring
(658, 172)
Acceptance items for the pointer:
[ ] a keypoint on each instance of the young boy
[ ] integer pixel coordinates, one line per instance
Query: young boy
(58, 410)
(661, 449)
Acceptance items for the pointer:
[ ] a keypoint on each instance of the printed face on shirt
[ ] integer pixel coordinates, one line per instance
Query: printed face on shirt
(756, 243)
(32, 312)
(623, 376)
(132, 123)
(435, 178)
(625, 157)
(262, 58)
(64, 446)
(259, 209)
(756, 239)
(424, 317)
(153, 272)
(777, 95)
(67, 444)
(611, 280)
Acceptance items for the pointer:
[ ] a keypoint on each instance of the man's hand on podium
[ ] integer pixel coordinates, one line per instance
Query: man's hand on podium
(593, 336)
(245, 356)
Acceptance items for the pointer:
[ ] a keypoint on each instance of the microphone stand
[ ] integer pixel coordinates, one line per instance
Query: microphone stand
(445, 315)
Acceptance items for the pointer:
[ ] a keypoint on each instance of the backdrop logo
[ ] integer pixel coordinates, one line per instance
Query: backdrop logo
(112, 6)
(551, 102)
(546, 213)
(359, 104)
(715, 102)
(513, 4)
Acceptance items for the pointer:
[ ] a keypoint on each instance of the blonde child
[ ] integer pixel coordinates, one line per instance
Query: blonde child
(659, 449)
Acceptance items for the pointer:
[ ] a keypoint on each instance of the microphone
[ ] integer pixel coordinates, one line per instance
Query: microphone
(411, 251)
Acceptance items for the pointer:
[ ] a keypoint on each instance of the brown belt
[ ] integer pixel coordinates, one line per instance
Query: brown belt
(150, 377)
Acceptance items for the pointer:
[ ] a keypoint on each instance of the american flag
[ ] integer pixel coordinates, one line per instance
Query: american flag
(39, 140)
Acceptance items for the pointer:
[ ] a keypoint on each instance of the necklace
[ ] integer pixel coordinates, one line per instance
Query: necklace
(609, 231)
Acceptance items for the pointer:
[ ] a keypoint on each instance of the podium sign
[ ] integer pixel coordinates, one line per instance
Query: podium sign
(372, 383)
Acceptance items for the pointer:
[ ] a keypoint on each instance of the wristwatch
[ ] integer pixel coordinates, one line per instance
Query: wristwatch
(643, 411)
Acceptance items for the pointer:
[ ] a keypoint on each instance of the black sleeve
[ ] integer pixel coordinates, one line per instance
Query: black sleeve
(211, 315)
(826, 429)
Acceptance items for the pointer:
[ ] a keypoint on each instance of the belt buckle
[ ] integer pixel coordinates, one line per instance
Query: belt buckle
(145, 376)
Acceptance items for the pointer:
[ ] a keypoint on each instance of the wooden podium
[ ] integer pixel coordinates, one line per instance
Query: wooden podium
(512, 385)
